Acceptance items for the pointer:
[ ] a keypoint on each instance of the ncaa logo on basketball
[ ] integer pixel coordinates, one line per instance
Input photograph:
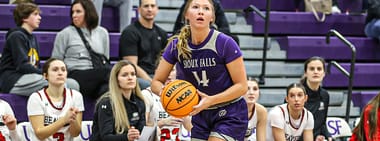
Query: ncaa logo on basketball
(178, 98)
(183, 96)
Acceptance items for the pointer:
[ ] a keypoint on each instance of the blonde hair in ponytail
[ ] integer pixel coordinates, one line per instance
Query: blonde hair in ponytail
(185, 33)
(183, 37)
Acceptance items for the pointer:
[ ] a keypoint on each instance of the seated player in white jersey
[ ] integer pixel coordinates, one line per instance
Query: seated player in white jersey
(257, 113)
(8, 131)
(291, 121)
(168, 128)
(55, 112)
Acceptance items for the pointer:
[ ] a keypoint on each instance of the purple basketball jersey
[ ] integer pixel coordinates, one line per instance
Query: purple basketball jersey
(206, 69)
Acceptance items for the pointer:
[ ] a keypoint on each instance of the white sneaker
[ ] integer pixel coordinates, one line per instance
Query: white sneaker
(335, 10)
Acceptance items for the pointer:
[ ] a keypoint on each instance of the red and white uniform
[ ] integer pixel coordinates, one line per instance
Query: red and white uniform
(5, 134)
(39, 103)
(157, 112)
(279, 117)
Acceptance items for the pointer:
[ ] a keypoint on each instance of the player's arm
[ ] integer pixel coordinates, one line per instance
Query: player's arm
(237, 72)
(148, 110)
(42, 132)
(75, 125)
(261, 122)
(164, 68)
(278, 134)
(187, 123)
(140, 72)
(308, 135)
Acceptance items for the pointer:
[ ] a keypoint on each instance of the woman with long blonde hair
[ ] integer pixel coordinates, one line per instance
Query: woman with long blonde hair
(120, 113)
(213, 63)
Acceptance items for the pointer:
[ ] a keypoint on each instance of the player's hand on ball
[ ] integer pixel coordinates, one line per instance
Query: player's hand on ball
(204, 103)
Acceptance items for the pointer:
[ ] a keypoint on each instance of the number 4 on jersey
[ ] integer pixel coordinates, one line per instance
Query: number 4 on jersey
(204, 80)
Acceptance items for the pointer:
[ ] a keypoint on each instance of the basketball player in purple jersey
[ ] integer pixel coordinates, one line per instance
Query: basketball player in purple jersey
(213, 63)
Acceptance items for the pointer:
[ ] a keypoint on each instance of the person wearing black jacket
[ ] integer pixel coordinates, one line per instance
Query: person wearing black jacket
(372, 22)
(120, 113)
(318, 101)
(221, 22)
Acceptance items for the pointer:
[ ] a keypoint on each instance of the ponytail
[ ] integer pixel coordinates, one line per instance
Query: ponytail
(182, 44)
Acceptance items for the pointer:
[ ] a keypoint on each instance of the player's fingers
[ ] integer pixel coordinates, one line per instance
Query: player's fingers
(201, 93)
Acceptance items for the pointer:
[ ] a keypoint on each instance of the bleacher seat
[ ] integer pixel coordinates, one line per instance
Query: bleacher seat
(46, 41)
(361, 98)
(57, 17)
(86, 131)
(53, 2)
(26, 131)
(367, 75)
(272, 98)
(304, 47)
(338, 127)
(304, 23)
(19, 103)
(287, 5)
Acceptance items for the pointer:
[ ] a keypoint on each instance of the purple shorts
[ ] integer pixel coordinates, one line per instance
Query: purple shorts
(229, 122)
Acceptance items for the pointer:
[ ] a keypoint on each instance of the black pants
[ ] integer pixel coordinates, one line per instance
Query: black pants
(93, 82)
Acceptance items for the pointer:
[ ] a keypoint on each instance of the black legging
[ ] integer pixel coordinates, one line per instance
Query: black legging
(93, 82)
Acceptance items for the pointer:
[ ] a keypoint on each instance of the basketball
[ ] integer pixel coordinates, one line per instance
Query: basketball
(178, 98)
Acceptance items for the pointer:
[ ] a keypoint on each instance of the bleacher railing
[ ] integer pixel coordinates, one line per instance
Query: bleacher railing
(341, 69)
(252, 8)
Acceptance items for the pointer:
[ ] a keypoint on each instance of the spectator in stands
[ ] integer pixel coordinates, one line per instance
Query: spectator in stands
(221, 22)
(142, 42)
(257, 113)
(318, 98)
(20, 1)
(55, 112)
(291, 121)
(213, 63)
(20, 71)
(120, 113)
(364, 6)
(8, 123)
(124, 8)
(169, 128)
(368, 128)
(70, 47)
(372, 22)
(334, 9)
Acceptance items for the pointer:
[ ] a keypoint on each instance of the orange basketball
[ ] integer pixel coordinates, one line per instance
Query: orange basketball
(178, 98)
